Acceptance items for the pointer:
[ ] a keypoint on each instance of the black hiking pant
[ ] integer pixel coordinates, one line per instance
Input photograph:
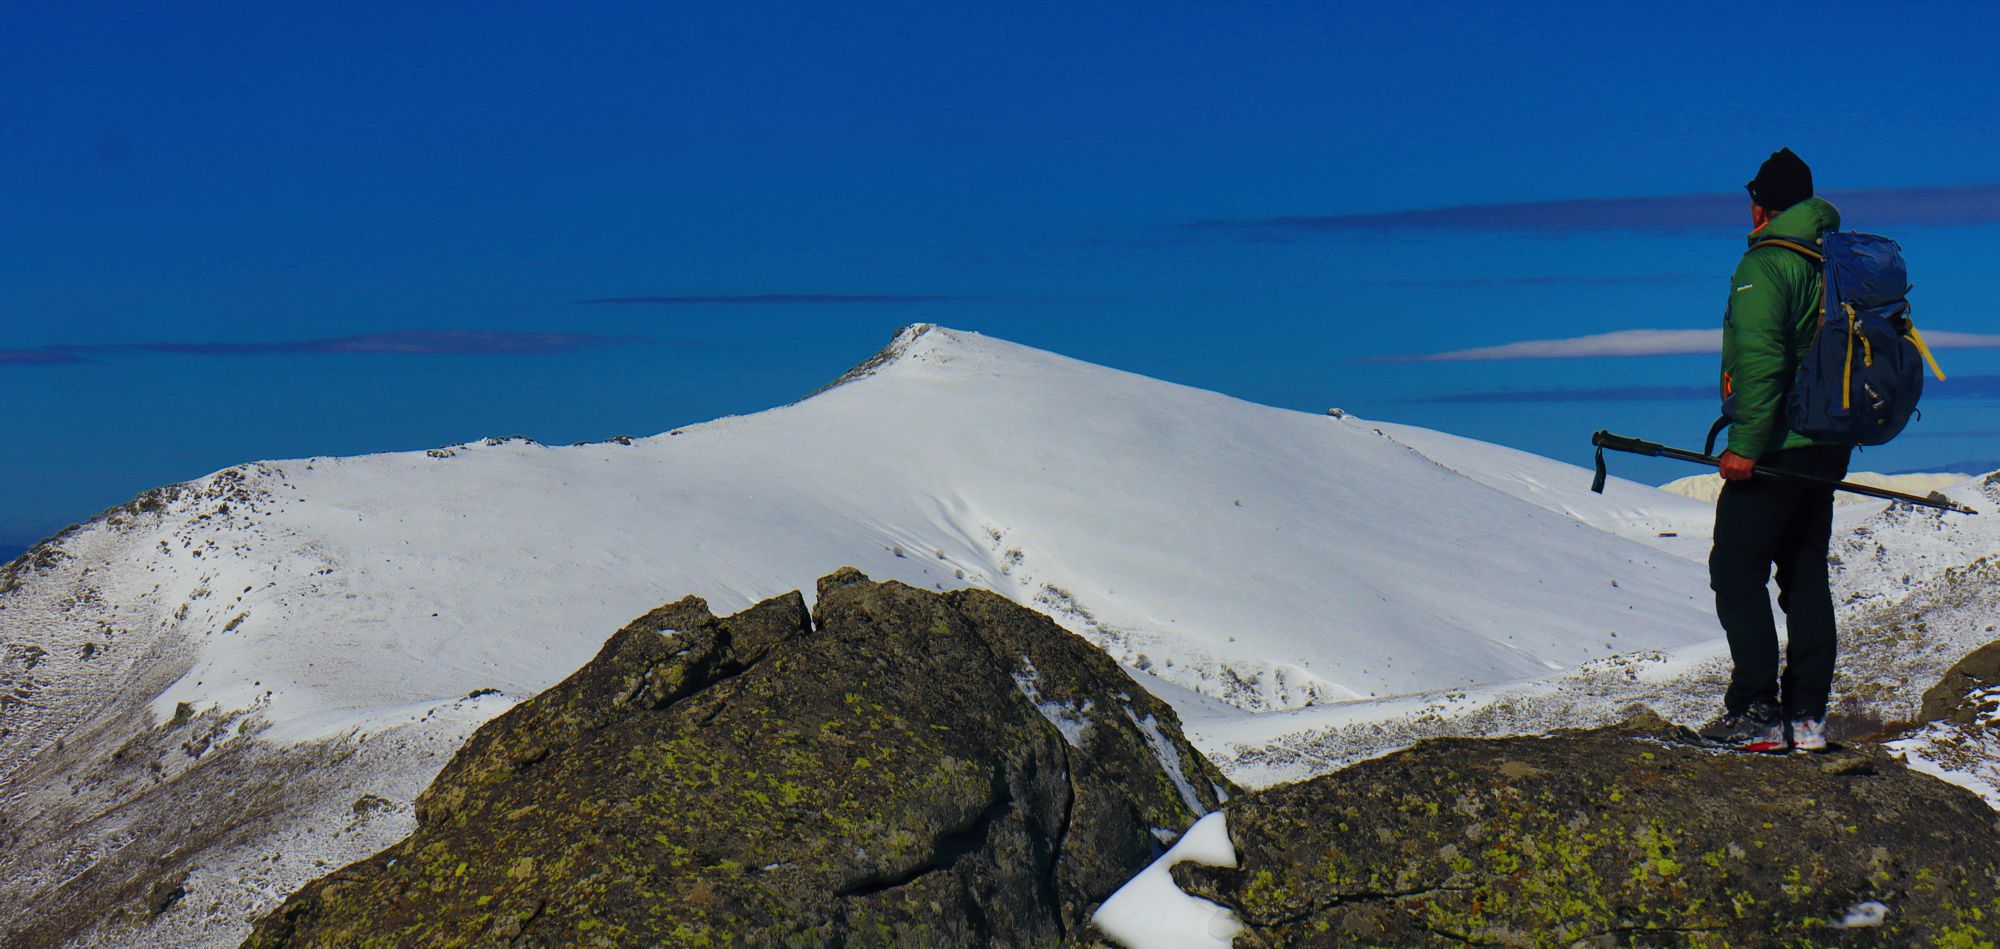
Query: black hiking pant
(1767, 521)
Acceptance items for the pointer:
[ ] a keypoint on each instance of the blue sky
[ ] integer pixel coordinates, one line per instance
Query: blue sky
(237, 232)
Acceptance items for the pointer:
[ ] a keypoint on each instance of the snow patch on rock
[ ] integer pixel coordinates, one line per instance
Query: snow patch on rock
(1151, 912)
(1071, 719)
(1167, 755)
(1865, 915)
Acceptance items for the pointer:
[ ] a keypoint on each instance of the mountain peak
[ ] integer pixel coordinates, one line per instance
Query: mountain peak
(899, 346)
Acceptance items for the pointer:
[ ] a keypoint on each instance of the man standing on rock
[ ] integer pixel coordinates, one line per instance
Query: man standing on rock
(1774, 308)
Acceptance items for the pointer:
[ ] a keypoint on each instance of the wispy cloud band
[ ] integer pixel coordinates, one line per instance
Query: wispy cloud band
(36, 357)
(402, 342)
(1646, 342)
(1551, 280)
(1942, 206)
(1958, 387)
(1612, 394)
(1955, 433)
(754, 299)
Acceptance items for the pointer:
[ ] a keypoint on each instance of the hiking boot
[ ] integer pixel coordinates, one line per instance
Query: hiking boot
(1809, 734)
(1757, 728)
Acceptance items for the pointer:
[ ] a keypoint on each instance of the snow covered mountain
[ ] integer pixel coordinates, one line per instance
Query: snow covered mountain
(223, 688)
(1916, 590)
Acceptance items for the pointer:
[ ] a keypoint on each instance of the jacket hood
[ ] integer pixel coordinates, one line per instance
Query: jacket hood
(1807, 219)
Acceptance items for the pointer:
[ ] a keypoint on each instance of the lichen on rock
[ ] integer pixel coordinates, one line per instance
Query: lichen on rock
(1632, 835)
(870, 775)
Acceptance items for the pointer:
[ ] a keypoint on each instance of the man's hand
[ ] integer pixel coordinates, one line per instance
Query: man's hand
(1735, 467)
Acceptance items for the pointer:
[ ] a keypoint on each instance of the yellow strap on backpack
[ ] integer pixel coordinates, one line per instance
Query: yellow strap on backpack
(1847, 368)
(1917, 338)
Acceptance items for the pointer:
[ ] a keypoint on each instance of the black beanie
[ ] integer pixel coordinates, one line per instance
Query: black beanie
(1782, 181)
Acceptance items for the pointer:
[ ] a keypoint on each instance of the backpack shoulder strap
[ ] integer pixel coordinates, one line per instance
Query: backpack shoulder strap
(1818, 259)
(1793, 246)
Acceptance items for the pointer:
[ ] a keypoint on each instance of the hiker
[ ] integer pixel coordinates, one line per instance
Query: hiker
(1773, 313)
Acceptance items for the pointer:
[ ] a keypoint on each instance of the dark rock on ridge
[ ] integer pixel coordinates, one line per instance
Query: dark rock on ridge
(1960, 732)
(1965, 695)
(1615, 837)
(912, 769)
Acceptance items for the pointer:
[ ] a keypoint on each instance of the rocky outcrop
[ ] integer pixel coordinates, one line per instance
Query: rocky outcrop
(1959, 737)
(909, 768)
(900, 768)
(1628, 836)
(1969, 692)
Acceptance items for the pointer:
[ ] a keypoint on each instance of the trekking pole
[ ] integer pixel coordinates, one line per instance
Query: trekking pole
(1604, 439)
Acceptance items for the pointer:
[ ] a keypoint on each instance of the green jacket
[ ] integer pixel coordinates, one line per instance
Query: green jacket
(1774, 303)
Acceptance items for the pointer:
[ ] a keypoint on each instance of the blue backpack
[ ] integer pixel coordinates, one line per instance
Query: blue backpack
(1860, 382)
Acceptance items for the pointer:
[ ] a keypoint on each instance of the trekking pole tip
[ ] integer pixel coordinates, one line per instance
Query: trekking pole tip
(1938, 500)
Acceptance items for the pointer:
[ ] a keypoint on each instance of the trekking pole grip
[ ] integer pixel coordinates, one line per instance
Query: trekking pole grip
(1708, 447)
(1636, 446)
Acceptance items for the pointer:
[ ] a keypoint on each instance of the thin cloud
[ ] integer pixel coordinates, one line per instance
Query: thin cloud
(1552, 280)
(36, 357)
(1620, 343)
(1618, 394)
(403, 342)
(1944, 339)
(1645, 342)
(1957, 387)
(1944, 206)
(1969, 468)
(1956, 433)
(1964, 387)
(754, 299)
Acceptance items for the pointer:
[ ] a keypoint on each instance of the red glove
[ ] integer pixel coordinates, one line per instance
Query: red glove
(1735, 467)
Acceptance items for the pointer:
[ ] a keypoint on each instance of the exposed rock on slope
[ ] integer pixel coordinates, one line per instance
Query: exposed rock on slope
(1621, 836)
(1959, 737)
(1967, 693)
(919, 769)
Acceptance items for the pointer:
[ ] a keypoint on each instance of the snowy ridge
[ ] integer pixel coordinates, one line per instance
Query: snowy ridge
(1628, 509)
(1882, 549)
(1241, 552)
(1301, 588)
(1917, 590)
